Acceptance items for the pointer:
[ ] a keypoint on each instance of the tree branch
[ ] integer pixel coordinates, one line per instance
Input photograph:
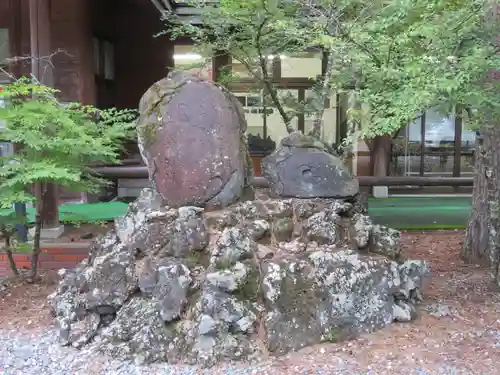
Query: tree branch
(266, 79)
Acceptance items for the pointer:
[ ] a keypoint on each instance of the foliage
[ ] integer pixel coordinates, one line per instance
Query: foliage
(8, 221)
(401, 57)
(254, 33)
(396, 57)
(248, 30)
(56, 144)
(78, 221)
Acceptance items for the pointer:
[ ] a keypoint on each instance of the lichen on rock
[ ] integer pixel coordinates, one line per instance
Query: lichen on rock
(191, 135)
(193, 286)
(196, 273)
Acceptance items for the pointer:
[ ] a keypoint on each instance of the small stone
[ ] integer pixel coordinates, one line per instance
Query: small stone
(230, 279)
(384, 241)
(61, 272)
(321, 228)
(245, 324)
(439, 310)
(207, 325)
(402, 312)
(258, 229)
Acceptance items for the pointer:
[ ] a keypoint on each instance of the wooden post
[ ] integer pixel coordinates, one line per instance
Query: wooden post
(42, 71)
(15, 35)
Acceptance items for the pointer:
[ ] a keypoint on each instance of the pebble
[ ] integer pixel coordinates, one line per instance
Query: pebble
(39, 354)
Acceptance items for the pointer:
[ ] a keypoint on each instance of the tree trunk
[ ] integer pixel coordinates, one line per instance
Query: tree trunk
(380, 149)
(36, 243)
(42, 71)
(482, 239)
(10, 256)
(323, 96)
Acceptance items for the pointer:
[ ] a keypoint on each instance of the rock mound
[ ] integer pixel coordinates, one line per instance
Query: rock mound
(191, 134)
(270, 276)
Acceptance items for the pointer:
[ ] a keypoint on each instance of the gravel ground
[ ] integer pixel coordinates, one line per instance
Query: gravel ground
(458, 332)
(39, 354)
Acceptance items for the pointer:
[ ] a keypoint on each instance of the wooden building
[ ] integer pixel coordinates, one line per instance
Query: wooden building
(103, 52)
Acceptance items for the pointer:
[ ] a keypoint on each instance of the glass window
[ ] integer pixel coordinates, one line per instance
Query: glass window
(97, 56)
(2, 105)
(109, 60)
(329, 126)
(439, 130)
(242, 99)
(439, 149)
(406, 150)
(4, 45)
(467, 148)
(104, 58)
(252, 105)
(254, 114)
(439, 144)
(6, 149)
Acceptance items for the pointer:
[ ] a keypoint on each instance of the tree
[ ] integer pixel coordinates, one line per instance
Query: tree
(407, 56)
(57, 145)
(255, 33)
(481, 99)
(399, 57)
(8, 221)
(384, 50)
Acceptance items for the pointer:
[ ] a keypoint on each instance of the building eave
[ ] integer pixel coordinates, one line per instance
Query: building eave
(183, 8)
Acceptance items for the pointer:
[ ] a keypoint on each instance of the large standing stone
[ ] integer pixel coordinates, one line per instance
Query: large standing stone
(303, 168)
(191, 137)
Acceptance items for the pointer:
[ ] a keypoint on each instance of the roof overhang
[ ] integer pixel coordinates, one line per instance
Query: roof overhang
(186, 9)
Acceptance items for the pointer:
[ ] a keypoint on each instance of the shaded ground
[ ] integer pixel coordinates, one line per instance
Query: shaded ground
(459, 324)
(72, 234)
(82, 233)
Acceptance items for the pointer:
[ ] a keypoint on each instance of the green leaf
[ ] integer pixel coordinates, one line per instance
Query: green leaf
(57, 143)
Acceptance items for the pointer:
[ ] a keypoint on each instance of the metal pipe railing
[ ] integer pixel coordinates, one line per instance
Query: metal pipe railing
(141, 171)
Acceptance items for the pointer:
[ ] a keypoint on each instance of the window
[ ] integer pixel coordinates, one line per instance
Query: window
(4, 45)
(109, 60)
(252, 103)
(2, 105)
(97, 56)
(433, 145)
(6, 148)
(104, 59)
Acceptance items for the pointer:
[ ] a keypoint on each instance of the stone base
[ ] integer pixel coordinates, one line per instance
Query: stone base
(48, 233)
(128, 187)
(380, 191)
(185, 285)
